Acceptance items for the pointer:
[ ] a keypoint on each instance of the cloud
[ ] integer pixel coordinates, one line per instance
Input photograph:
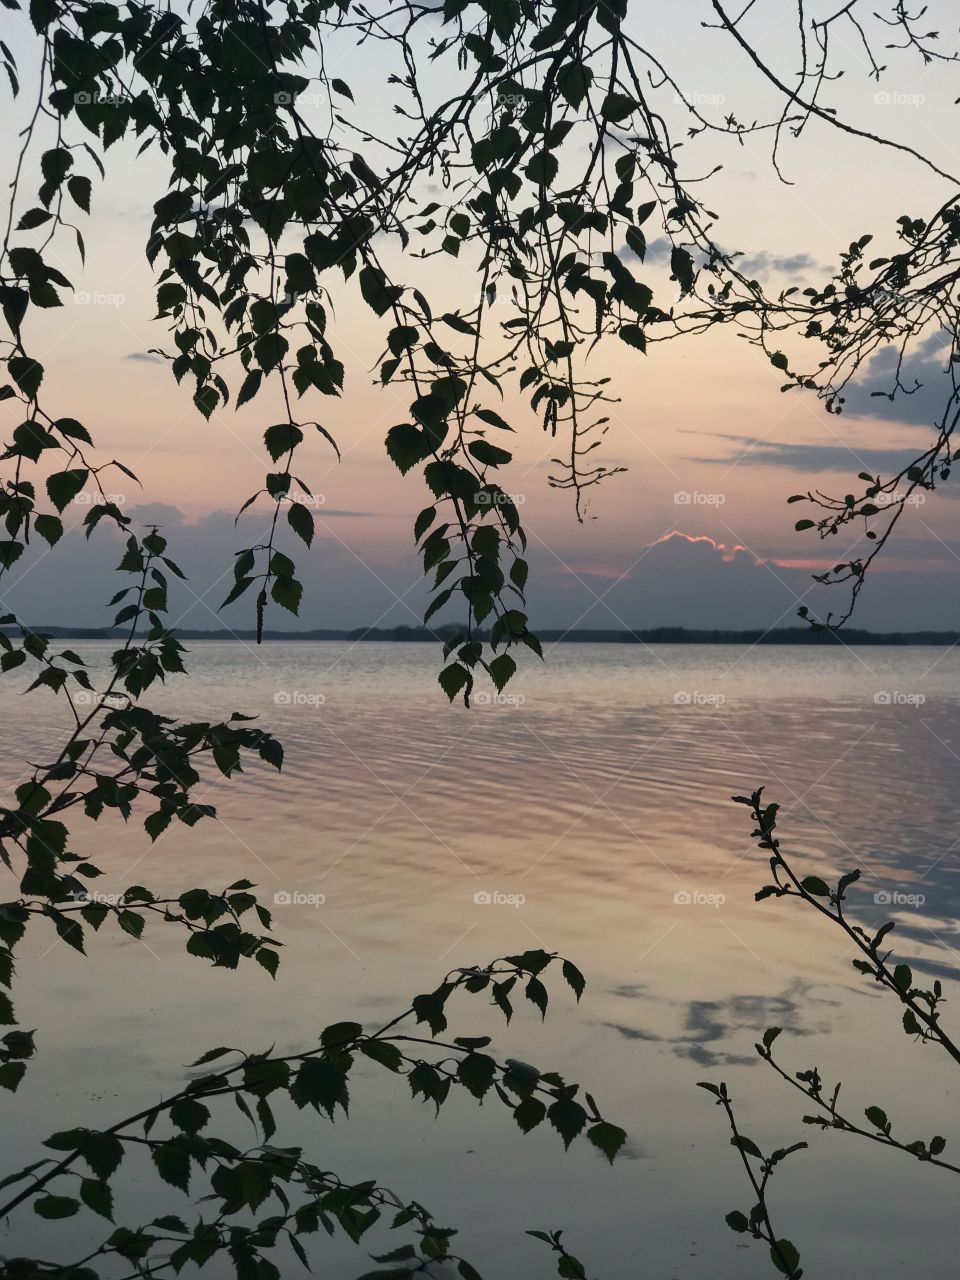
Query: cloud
(749, 452)
(344, 586)
(701, 582)
(925, 374)
(144, 356)
(679, 580)
(761, 263)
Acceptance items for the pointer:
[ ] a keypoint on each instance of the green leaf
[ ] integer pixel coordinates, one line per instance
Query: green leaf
(607, 1138)
(206, 398)
(388, 1055)
(493, 419)
(490, 455)
(80, 188)
(377, 293)
(33, 218)
(747, 1146)
(173, 1165)
(98, 1197)
(617, 106)
(340, 1033)
(814, 885)
(878, 1117)
(287, 592)
(56, 1206)
(103, 1152)
(26, 373)
(568, 1118)
(477, 1073)
(249, 387)
(536, 993)
(270, 350)
(63, 486)
(211, 1055)
(402, 338)
(542, 168)
(10, 553)
(429, 1009)
(785, 1257)
(737, 1221)
(574, 81)
(49, 528)
(281, 439)
(423, 522)
(458, 323)
(501, 669)
(634, 336)
(681, 265)
(452, 679)
(910, 1024)
(529, 1113)
(301, 522)
(189, 1115)
(407, 445)
(320, 1084)
(131, 923)
(11, 1073)
(574, 978)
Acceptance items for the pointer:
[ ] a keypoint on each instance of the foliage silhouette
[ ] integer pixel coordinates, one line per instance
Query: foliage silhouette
(921, 1021)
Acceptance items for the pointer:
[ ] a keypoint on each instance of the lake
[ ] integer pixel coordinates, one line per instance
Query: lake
(589, 813)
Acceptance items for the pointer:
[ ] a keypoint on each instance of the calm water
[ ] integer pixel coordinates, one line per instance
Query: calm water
(598, 801)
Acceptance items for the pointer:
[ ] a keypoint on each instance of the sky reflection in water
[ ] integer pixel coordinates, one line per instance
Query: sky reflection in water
(595, 815)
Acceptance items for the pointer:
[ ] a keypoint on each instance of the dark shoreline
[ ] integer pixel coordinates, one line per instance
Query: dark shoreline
(657, 635)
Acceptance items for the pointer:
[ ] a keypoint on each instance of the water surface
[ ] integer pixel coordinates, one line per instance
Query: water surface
(590, 814)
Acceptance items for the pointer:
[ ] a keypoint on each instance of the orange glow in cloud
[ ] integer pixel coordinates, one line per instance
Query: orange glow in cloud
(727, 553)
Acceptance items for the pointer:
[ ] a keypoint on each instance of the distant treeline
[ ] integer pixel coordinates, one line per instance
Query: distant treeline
(654, 635)
(781, 635)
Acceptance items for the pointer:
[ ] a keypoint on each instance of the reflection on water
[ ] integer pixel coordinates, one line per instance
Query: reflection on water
(589, 815)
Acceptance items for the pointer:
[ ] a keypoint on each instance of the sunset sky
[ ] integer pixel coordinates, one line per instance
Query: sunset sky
(704, 417)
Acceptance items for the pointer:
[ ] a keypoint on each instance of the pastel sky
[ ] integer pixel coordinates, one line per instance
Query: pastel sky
(703, 418)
